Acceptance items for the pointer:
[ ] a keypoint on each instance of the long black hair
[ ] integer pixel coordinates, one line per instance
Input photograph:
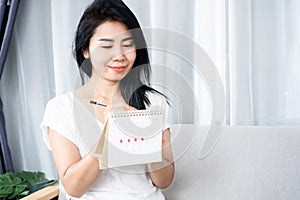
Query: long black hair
(136, 83)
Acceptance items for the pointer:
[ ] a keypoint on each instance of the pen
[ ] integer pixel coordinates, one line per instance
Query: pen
(97, 103)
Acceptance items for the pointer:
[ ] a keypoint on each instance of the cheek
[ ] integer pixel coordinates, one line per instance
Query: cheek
(131, 56)
(99, 57)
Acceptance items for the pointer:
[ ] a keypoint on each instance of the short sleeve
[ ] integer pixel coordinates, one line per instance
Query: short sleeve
(58, 117)
(158, 100)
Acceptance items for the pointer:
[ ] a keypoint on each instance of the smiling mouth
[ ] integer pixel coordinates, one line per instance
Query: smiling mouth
(118, 69)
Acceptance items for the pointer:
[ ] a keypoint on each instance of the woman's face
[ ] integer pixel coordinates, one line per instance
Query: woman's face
(111, 50)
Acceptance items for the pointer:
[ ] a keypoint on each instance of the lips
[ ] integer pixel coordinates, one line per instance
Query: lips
(117, 69)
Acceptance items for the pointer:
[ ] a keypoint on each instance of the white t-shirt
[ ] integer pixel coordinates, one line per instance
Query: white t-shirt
(65, 114)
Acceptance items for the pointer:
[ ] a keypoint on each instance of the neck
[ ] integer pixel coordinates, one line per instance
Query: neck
(104, 90)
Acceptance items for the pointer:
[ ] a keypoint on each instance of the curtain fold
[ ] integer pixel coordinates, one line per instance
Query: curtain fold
(8, 16)
(8, 13)
(6, 164)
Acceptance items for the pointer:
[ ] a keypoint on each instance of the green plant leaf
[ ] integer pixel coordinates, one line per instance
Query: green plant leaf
(9, 179)
(31, 178)
(6, 190)
(17, 191)
(8, 182)
(19, 184)
(24, 193)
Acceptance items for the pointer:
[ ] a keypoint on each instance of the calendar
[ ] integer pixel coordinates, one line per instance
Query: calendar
(131, 138)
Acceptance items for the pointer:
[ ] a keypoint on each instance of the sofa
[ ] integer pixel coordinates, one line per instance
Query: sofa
(247, 163)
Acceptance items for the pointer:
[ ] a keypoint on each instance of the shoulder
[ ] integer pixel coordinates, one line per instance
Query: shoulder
(59, 106)
(59, 101)
(58, 114)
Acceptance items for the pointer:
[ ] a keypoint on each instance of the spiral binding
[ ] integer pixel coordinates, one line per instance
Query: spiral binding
(136, 113)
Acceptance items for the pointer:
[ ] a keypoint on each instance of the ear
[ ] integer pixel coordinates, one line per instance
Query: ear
(86, 53)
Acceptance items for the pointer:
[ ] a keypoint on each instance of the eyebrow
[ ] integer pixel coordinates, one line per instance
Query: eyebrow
(129, 38)
(106, 40)
(111, 40)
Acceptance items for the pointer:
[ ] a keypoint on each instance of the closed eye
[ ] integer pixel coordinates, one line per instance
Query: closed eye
(128, 43)
(106, 47)
(106, 43)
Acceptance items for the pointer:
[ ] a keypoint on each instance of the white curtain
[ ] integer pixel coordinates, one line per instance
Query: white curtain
(254, 45)
(27, 84)
(64, 19)
(264, 62)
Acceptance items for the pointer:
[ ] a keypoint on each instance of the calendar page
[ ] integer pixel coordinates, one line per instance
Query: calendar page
(131, 138)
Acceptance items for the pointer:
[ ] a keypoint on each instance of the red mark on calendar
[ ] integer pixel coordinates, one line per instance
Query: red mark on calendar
(129, 140)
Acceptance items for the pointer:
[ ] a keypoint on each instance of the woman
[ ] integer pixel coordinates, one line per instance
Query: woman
(110, 51)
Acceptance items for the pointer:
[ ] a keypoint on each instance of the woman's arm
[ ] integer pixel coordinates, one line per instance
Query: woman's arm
(162, 173)
(76, 174)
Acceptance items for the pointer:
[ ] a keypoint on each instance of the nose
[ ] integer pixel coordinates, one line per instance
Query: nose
(118, 54)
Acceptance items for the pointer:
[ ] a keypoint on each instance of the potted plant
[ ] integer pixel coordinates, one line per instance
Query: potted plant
(16, 185)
